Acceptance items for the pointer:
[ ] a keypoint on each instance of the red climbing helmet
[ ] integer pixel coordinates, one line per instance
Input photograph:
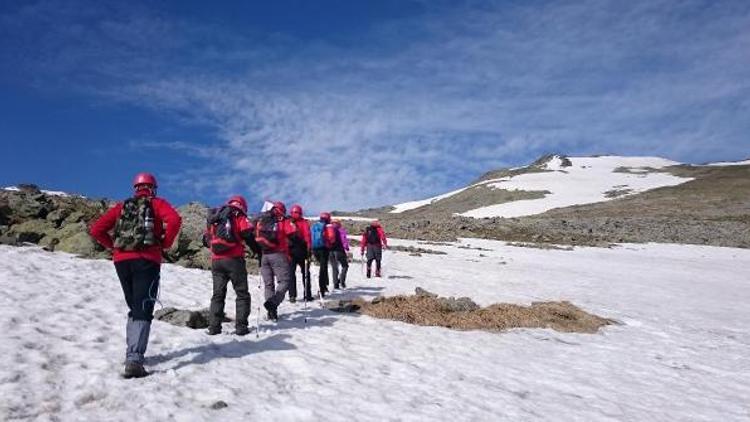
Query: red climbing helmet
(325, 216)
(279, 207)
(296, 209)
(144, 179)
(239, 202)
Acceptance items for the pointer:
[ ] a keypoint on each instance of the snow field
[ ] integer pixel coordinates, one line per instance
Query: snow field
(681, 353)
(585, 182)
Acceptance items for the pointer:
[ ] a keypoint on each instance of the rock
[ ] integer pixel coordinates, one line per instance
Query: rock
(377, 300)
(423, 293)
(461, 304)
(31, 231)
(219, 405)
(341, 306)
(183, 317)
(74, 217)
(57, 216)
(80, 244)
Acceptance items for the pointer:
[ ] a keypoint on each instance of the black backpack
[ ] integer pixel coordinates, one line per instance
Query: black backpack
(220, 227)
(372, 236)
(267, 231)
(134, 229)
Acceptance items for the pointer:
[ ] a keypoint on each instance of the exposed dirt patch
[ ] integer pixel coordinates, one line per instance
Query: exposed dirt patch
(462, 314)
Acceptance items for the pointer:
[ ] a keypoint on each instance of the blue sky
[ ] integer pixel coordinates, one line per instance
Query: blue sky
(351, 104)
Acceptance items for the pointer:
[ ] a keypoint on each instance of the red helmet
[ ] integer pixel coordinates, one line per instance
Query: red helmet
(144, 179)
(325, 216)
(297, 209)
(239, 201)
(279, 207)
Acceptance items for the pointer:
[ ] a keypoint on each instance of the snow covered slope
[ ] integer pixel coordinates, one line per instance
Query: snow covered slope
(681, 354)
(579, 180)
(587, 180)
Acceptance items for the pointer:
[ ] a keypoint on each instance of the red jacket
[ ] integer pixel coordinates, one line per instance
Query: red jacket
(166, 226)
(303, 228)
(242, 228)
(381, 235)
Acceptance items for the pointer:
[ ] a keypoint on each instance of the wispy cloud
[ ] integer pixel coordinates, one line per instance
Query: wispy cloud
(428, 102)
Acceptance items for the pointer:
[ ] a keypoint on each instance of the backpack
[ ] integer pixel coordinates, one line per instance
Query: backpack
(330, 235)
(316, 232)
(220, 225)
(267, 231)
(373, 238)
(134, 229)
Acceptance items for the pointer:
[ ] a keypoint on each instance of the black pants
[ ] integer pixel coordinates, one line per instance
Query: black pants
(139, 279)
(224, 270)
(301, 262)
(374, 253)
(321, 255)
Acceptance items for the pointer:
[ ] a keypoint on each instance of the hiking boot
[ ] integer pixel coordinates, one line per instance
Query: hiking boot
(309, 299)
(272, 312)
(336, 287)
(343, 285)
(292, 300)
(377, 273)
(369, 273)
(212, 331)
(134, 370)
(242, 331)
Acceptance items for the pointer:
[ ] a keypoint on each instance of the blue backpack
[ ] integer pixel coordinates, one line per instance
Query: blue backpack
(316, 232)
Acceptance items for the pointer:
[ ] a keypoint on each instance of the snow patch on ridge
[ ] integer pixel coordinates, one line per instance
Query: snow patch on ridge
(729, 163)
(406, 206)
(48, 192)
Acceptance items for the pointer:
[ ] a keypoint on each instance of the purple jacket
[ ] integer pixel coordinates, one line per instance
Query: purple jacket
(344, 238)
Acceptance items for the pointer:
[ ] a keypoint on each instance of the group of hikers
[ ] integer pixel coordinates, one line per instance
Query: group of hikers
(140, 228)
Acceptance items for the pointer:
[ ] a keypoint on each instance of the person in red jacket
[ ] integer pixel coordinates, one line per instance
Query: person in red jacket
(300, 249)
(272, 231)
(228, 230)
(143, 226)
(374, 240)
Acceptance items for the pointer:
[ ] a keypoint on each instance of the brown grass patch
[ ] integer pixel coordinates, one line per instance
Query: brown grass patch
(432, 311)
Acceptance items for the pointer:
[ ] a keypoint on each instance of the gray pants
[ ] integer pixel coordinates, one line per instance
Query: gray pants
(339, 258)
(275, 264)
(136, 337)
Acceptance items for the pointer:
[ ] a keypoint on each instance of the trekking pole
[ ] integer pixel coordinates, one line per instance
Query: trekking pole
(257, 315)
(305, 285)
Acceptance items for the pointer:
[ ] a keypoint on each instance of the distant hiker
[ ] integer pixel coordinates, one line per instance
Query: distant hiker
(300, 249)
(228, 230)
(339, 257)
(374, 240)
(272, 231)
(322, 240)
(143, 226)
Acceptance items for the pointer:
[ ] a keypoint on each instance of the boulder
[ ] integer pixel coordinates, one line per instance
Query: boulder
(462, 304)
(31, 231)
(423, 293)
(183, 317)
(58, 216)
